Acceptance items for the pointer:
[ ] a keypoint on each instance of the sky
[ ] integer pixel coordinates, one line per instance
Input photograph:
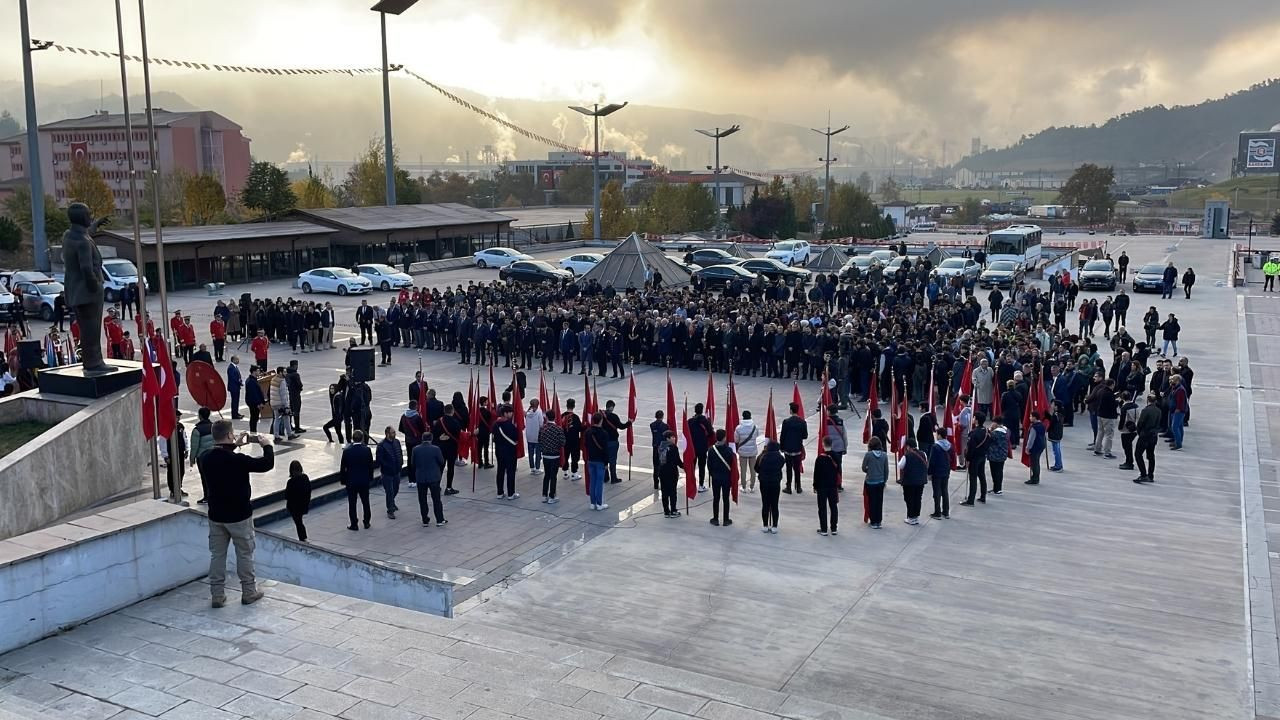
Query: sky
(919, 72)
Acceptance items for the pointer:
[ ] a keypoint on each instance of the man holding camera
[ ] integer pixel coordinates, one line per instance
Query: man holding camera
(226, 473)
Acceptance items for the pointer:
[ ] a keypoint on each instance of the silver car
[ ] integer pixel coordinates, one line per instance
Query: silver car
(966, 268)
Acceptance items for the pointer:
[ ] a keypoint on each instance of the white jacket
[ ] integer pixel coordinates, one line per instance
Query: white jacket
(745, 437)
(533, 420)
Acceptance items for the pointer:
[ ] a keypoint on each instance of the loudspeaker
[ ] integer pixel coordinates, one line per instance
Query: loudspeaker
(360, 359)
(30, 354)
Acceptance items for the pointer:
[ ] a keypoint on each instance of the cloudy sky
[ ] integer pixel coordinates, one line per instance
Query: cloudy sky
(918, 71)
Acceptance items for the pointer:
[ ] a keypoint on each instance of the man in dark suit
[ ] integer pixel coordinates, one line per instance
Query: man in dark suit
(415, 387)
(364, 318)
(792, 436)
(356, 473)
(428, 462)
(234, 382)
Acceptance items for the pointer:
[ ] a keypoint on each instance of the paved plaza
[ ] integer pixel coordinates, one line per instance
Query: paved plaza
(1086, 597)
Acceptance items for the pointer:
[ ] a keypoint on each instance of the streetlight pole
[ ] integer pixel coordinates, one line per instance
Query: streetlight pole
(595, 113)
(826, 161)
(383, 8)
(39, 243)
(716, 170)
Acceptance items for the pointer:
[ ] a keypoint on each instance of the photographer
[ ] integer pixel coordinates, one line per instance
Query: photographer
(230, 512)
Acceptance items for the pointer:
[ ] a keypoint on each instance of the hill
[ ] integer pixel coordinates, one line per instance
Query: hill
(1204, 134)
(1254, 194)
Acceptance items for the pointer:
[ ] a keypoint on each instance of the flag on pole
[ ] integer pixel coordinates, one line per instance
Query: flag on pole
(150, 390)
(671, 405)
(711, 399)
(966, 377)
(466, 439)
(544, 401)
(555, 402)
(687, 455)
(996, 391)
(518, 404)
(824, 401)
(953, 430)
(493, 391)
(595, 398)
(902, 429)
(167, 397)
(770, 420)
(50, 352)
(932, 386)
(893, 415)
(799, 401)
(730, 427)
(422, 391)
(873, 404)
(631, 414)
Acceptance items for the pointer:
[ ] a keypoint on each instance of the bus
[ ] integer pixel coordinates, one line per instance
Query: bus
(1019, 243)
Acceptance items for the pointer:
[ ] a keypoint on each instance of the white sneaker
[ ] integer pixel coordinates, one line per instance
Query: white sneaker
(501, 496)
(552, 501)
(764, 529)
(544, 500)
(604, 506)
(594, 507)
(702, 488)
(513, 496)
(773, 530)
(413, 485)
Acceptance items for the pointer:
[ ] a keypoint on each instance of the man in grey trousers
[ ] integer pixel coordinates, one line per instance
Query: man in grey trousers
(226, 473)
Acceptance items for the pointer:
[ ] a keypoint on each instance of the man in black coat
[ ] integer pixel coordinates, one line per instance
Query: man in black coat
(356, 473)
(230, 512)
(791, 437)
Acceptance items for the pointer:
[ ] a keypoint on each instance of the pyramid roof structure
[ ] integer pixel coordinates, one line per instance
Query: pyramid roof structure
(831, 259)
(633, 262)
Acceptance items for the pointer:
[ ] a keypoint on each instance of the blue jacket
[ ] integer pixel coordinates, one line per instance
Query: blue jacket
(1035, 438)
(356, 470)
(428, 463)
(234, 379)
(253, 394)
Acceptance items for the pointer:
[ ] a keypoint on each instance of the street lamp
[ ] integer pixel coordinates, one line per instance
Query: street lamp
(716, 170)
(39, 243)
(826, 183)
(595, 114)
(383, 7)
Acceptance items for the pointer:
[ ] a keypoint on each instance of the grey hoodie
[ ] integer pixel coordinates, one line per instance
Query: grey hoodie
(876, 465)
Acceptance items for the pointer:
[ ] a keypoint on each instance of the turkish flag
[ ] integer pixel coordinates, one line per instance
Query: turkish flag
(730, 426)
(150, 389)
(517, 403)
(689, 457)
(799, 401)
(671, 405)
(166, 398)
(631, 414)
(711, 399)
(79, 152)
(873, 404)
(770, 421)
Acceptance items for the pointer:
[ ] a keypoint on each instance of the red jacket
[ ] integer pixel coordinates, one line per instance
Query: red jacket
(126, 349)
(260, 345)
(115, 332)
(218, 329)
(175, 326)
(187, 334)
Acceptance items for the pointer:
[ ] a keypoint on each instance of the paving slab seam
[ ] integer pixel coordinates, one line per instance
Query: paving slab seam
(1262, 648)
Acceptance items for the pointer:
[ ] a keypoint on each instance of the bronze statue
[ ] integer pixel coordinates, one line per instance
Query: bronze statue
(83, 284)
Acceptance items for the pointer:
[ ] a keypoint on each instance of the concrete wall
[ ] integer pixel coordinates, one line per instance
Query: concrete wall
(68, 574)
(95, 451)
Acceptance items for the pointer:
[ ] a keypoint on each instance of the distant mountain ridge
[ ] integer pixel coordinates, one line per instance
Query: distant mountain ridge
(1204, 134)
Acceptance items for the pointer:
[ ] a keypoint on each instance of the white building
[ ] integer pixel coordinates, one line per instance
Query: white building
(613, 166)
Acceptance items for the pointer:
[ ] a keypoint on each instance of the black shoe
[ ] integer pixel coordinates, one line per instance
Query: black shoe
(1140, 479)
(982, 499)
(727, 521)
(614, 482)
(935, 516)
(1032, 482)
(786, 490)
(715, 521)
(442, 522)
(967, 503)
(451, 491)
(237, 417)
(799, 491)
(391, 514)
(366, 524)
(354, 527)
(1126, 466)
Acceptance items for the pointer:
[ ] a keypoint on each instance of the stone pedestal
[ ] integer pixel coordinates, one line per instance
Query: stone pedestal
(73, 380)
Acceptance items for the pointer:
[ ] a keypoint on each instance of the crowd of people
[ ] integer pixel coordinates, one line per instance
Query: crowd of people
(969, 375)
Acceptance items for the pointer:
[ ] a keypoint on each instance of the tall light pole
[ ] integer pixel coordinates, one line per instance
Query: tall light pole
(826, 184)
(39, 242)
(595, 113)
(716, 170)
(394, 7)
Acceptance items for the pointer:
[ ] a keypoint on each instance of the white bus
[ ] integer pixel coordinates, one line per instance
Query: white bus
(1019, 243)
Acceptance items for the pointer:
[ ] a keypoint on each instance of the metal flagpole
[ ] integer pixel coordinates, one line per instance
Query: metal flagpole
(137, 249)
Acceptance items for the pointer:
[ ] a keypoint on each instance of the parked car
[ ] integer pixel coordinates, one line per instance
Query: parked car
(1149, 277)
(863, 263)
(533, 271)
(718, 276)
(683, 265)
(883, 256)
(774, 269)
(497, 257)
(384, 277)
(1002, 274)
(38, 295)
(965, 268)
(6, 304)
(581, 263)
(895, 262)
(117, 274)
(1099, 274)
(335, 280)
(706, 257)
(790, 252)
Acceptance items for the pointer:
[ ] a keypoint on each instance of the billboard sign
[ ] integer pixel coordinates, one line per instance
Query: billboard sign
(1261, 153)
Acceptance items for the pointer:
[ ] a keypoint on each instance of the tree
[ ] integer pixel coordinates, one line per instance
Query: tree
(971, 211)
(522, 185)
(804, 193)
(18, 208)
(313, 193)
(1089, 190)
(889, 190)
(768, 216)
(1131, 227)
(8, 125)
(450, 187)
(366, 182)
(700, 206)
(10, 235)
(87, 186)
(615, 220)
(173, 188)
(850, 210)
(864, 182)
(204, 199)
(267, 190)
(574, 186)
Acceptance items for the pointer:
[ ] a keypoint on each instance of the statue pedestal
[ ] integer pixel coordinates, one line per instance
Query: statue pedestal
(73, 380)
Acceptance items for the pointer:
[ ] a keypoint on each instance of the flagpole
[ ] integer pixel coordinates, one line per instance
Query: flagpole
(630, 400)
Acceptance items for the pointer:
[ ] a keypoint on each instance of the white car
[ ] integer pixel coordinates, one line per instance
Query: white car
(6, 303)
(384, 277)
(497, 257)
(581, 263)
(790, 252)
(335, 280)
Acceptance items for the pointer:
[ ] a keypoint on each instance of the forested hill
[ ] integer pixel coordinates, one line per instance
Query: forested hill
(1204, 134)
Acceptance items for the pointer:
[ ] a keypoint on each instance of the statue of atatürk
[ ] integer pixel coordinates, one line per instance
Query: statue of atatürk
(83, 284)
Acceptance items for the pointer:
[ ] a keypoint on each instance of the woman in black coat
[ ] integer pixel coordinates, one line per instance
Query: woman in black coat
(297, 497)
(1188, 279)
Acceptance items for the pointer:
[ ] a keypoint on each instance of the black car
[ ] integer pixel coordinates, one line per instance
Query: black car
(718, 276)
(774, 270)
(533, 271)
(1097, 274)
(1001, 274)
(706, 257)
(1149, 277)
